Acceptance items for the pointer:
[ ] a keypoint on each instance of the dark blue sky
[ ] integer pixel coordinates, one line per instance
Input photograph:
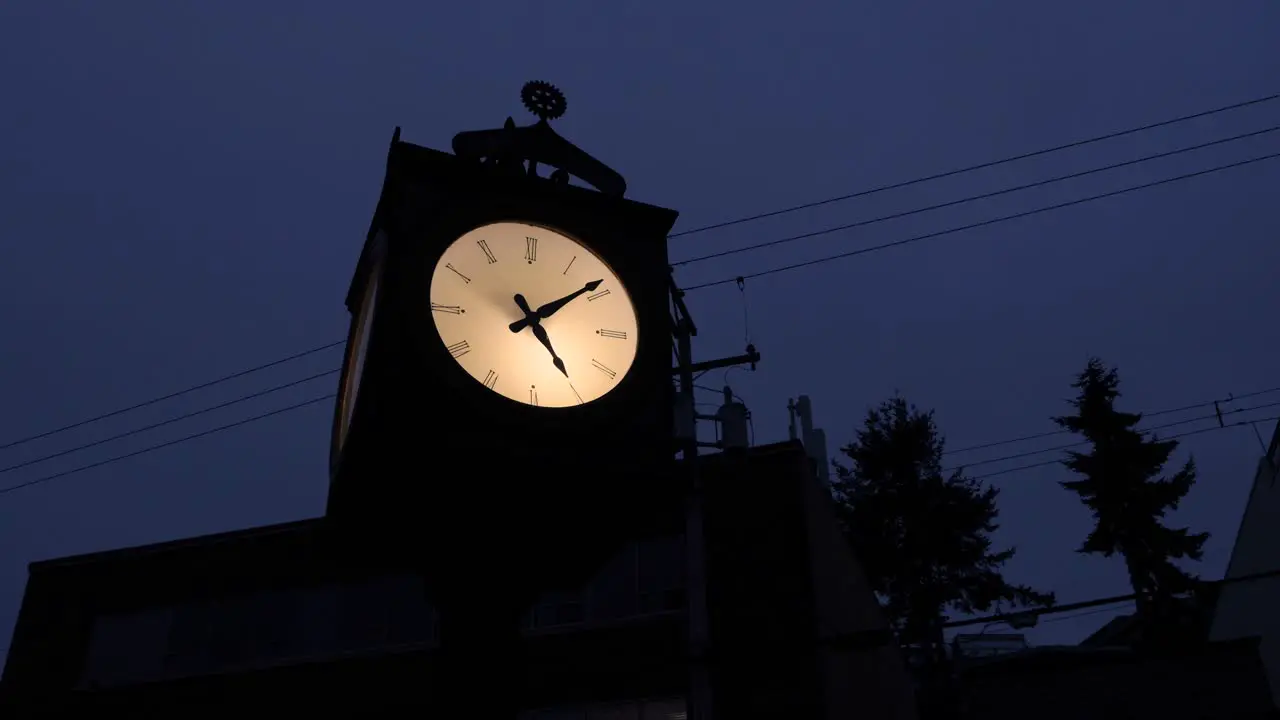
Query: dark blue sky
(184, 188)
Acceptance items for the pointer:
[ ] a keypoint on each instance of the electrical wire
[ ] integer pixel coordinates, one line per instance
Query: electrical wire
(1019, 468)
(170, 396)
(972, 198)
(1087, 613)
(152, 448)
(984, 223)
(1155, 413)
(737, 221)
(306, 403)
(170, 421)
(1096, 602)
(981, 166)
(1068, 446)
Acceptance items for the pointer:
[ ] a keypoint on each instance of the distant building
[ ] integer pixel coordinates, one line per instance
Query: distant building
(1252, 608)
(984, 645)
(264, 620)
(1188, 625)
(1220, 681)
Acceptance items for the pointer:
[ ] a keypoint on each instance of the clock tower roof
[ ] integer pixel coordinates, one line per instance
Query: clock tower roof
(504, 162)
(520, 149)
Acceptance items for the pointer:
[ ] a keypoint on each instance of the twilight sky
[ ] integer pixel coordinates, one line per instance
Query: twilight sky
(184, 188)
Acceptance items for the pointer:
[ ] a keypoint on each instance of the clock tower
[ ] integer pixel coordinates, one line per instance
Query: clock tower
(505, 412)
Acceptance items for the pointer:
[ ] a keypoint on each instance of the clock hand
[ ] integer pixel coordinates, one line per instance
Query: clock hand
(541, 333)
(545, 311)
(529, 316)
(531, 320)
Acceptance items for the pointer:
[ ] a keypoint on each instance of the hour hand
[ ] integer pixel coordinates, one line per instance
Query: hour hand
(523, 322)
(541, 333)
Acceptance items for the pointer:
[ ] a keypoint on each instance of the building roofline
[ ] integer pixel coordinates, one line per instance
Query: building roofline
(712, 461)
(1058, 657)
(173, 545)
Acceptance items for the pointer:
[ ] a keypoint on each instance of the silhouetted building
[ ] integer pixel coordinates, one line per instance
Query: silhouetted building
(1220, 681)
(972, 646)
(505, 315)
(266, 619)
(1251, 607)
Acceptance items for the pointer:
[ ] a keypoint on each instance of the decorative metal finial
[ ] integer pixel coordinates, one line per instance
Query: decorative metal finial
(543, 99)
(520, 150)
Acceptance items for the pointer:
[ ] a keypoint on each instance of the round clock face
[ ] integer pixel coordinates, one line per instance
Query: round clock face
(357, 349)
(533, 315)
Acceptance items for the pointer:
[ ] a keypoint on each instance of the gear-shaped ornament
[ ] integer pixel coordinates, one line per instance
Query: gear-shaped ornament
(543, 99)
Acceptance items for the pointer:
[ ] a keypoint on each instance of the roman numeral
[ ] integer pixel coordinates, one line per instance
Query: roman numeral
(597, 295)
(601, 367)
(488, 254)
(450, 309)
(566, 267)
(575, 393)
(530, 249)
(491, 379)
(465, 279)
(533, 395)
(615, 334)
(459, 348)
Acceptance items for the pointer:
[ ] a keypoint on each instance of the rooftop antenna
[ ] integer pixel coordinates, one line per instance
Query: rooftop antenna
(800, 410)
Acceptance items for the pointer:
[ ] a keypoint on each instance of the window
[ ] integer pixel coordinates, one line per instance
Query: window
(554, 609)
(127, 647)
(410, 613)
(672, 709)
(319, 612)
(665, 709)
(660, 575)
(233, 631)
(244, 630)
(612, 593)
(554, 714)
(643, 578)
(628, 711)
(380, 612)
(190, 648)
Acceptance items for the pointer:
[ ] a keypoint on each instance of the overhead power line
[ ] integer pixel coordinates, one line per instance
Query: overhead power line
(162, 423)
(1087, 613)
(984, 223)
(1045, 463)
(170, 443)
(1154, 413)
(973, 198)
(1081, 443)
(1097, 602)
(170, 396)
(737, 221)
(980, 166)
(306, 403)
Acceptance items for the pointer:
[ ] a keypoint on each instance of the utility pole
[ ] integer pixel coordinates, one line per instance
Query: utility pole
(683, 328)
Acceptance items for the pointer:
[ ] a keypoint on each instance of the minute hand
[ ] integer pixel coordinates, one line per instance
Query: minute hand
(545, 311)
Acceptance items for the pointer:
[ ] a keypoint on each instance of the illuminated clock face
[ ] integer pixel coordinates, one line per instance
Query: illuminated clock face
(533, 315)
(357, 349)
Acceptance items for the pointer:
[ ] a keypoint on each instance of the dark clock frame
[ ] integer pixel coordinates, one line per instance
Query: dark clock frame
(432, 456)
(372, 260)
